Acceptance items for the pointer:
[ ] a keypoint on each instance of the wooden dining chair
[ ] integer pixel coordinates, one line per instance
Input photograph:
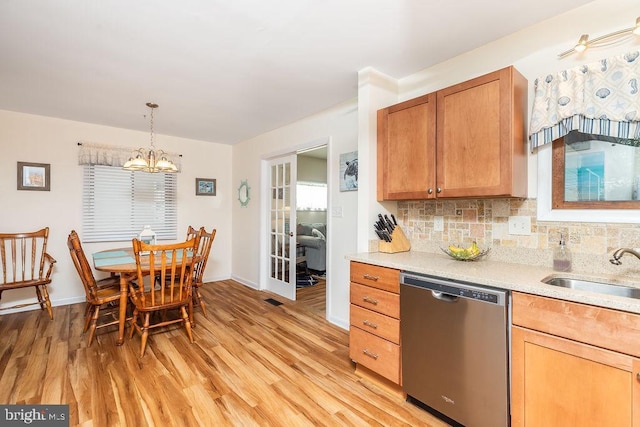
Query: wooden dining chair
(25, 263)
(100, 294)
(167, 287)
(204, 248)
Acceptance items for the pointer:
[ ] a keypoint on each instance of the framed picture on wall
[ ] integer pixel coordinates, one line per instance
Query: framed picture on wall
(205, 187)
(34, 176)
(349, 171)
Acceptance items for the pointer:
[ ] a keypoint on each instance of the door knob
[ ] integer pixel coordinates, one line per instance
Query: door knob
(430, 191)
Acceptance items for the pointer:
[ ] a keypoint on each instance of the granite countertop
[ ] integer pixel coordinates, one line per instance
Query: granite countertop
(503, 275)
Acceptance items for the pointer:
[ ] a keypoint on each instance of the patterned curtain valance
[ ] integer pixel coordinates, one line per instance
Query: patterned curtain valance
(599, 98)
(112, 155)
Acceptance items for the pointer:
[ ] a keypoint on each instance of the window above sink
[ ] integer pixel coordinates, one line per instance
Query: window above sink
(589, 178)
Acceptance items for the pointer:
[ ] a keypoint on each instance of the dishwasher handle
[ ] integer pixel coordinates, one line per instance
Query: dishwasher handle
(441, 296)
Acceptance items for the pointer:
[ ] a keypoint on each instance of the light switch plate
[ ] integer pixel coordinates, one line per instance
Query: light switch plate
(438, 223)
(520, 225)
(336, 211)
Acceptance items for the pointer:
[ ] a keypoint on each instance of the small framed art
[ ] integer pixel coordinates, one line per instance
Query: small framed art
(34, 176)
(205, 187)
(349, 171)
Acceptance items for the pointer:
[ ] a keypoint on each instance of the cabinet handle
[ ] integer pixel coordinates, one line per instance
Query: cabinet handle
(375, 326)
(430, 191)
(370, 300)
(638, 376)
(438, 190)
(370, 277)
(370, 354)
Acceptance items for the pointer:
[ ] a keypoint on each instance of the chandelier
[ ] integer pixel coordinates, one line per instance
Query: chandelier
(150, 159)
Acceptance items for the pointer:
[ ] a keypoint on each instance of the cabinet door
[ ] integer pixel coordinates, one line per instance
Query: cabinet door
(559, 382)
(480, 137)
(406, 150)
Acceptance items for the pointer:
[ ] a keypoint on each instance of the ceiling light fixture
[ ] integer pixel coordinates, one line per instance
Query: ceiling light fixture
(605, 40)
(146, 159)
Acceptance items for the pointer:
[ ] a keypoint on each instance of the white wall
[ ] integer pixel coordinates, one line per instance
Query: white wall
(348, 127)
(39, 139)
(337, 127)
(533, 52)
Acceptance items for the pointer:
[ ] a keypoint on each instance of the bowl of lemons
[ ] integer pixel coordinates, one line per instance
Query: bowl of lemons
(470, 253)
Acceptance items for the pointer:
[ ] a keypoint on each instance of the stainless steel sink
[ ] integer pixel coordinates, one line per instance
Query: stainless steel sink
(598, 287)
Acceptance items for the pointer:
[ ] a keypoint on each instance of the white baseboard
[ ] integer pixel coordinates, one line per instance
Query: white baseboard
(338, 322)
(245, 282)
(54, 303)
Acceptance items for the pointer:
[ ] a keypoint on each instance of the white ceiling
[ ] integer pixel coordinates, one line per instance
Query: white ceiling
(228, 70)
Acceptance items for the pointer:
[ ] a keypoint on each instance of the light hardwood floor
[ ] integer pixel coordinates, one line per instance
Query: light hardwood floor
(252, 363)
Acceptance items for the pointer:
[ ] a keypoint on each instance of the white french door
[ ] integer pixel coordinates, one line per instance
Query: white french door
(281, 268)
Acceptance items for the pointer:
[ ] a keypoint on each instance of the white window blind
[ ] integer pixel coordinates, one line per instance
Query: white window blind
(311, 196)
(117, 204)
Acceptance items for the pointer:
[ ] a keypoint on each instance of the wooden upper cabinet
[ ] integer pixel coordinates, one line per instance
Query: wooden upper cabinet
(406, 150)
(467, 140)
(480, 137)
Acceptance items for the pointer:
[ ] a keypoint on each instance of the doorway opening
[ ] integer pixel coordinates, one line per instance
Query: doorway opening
(311, 228)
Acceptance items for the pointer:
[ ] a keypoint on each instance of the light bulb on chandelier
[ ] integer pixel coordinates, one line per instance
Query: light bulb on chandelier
(150, 159)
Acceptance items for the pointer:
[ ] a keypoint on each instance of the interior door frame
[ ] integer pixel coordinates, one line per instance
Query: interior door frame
(264, 206)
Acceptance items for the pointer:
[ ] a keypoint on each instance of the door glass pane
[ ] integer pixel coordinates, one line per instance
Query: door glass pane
(287, 174)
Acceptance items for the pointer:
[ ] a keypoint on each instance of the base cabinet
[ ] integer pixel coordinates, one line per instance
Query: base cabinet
(374, 337)
(558, 381)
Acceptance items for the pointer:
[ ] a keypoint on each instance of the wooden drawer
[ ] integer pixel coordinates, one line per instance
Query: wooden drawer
(384, 278)
(603, 327)
(377, 354)
(378, 324)
(370, 298)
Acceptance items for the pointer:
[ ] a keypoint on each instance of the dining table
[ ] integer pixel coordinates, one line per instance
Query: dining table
(122, 262)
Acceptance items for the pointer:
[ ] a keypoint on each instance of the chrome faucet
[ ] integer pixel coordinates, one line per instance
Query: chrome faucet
(618, 254)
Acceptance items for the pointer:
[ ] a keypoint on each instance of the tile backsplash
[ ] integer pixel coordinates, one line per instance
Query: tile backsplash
(487, 222)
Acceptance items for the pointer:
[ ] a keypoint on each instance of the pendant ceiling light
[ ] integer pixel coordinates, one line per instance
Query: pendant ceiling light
(605, 40)
(150, 159)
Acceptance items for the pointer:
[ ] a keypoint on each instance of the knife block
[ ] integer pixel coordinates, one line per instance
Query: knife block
(398, 243)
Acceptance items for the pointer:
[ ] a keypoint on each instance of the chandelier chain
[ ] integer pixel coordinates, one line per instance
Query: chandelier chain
(153, 107)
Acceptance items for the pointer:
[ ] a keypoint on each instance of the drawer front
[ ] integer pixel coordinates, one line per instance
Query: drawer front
(378, 324)
(383, 302)
(375, 353)
(603, 327)
(384, 278)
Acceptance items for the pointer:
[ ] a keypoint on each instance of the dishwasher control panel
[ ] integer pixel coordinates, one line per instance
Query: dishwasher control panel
(458, 289)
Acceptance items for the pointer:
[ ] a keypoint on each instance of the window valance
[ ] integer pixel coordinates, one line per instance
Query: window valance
(112, 155)
(598, 98)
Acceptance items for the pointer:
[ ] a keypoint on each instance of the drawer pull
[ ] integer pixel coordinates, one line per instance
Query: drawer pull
(375, 326)
(638, 376)
(370, 300)
(370, 354)
(370, 277)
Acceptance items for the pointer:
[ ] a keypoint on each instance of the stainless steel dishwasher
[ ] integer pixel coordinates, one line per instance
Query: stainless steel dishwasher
(455, 349)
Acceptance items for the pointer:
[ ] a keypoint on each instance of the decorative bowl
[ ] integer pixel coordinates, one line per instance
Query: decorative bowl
(464, 255)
